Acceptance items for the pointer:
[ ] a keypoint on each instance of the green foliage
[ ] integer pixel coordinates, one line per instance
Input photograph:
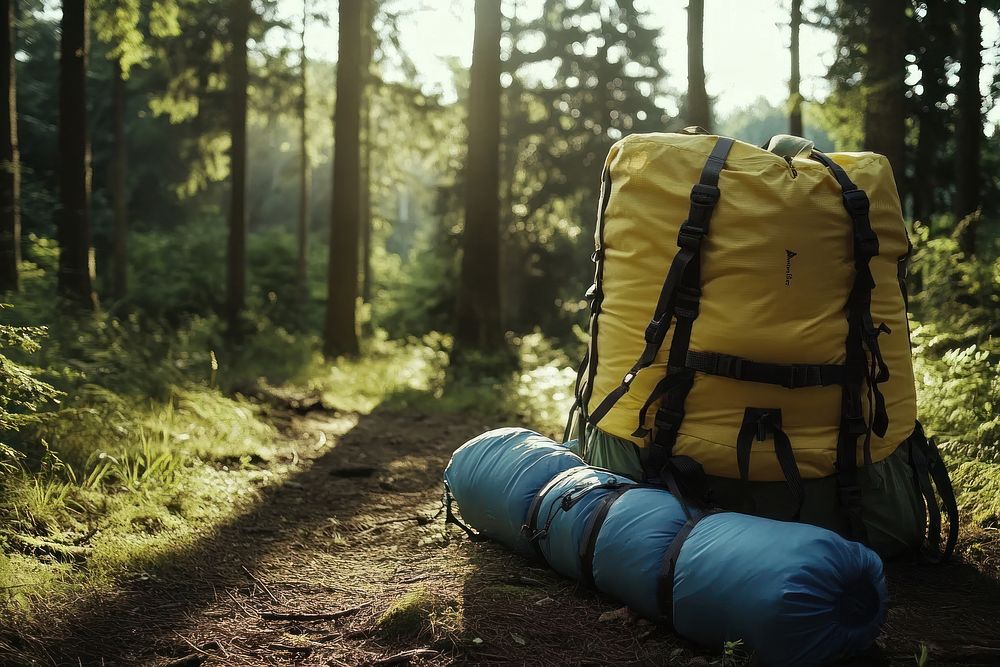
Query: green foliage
(22, 394)
(955, 346)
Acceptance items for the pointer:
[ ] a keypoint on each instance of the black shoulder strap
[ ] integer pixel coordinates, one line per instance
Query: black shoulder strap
(704, 197)
(860, 330)
(676, 291)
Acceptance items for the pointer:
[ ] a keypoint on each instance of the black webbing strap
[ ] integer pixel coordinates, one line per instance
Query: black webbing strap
(578, 398)
(927, 467)
(682, 476)
(861, 331)
(704, 197)
(679, 293)
(595, 295)
(760, 424)
(791, 376)
(530, 527)
(668, 567)
(666, 384)
(588, 541)
(449, 517)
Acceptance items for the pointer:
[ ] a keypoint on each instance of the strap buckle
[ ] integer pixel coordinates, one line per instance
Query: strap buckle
(689, 236)
(668, 420)
(687, 301)
(801, 376)
(856, 202)
(856, 425)
(704, 195)
(729, 366)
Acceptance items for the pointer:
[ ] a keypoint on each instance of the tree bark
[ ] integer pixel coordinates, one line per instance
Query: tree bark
(301, 264)
(341, 335)
(75, 272)
(119, 189)
(366, 156)
(936, 28)
(969, 129)
(698, 112)
(885, 113)
(236, 247)
(795, 77)
(10, 159)
(478, 320)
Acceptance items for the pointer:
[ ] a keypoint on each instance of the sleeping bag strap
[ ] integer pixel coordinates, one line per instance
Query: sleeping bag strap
(668, 567)
(681, 289)
(530, 527)
(449, 517)
(762, 423)
(927, 467)
(790, 376)
(588, 541)
(860, 332)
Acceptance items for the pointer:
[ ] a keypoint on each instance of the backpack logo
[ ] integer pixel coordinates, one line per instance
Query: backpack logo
(788, 266)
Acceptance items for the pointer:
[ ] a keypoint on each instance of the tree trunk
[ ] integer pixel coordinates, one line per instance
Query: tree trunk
(366, 157)
(969, 131)
(119, 190)
(236, 268)
(301, 263)
(935, 37)
(478, 322)
(341, 334)
(75, 273)
(795, 77)
(697, 98)
(885, 113)
(10, 161)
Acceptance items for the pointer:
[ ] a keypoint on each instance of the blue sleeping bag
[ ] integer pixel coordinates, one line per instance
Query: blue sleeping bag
(495, 477)
(793, 593)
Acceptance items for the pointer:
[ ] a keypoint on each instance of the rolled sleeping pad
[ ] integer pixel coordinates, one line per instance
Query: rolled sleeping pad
(794, 594)
(495, 476)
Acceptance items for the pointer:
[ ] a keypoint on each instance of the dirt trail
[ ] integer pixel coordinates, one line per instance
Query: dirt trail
(306, 577)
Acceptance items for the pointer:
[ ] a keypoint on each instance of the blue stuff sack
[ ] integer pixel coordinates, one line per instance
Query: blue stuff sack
(495, 476)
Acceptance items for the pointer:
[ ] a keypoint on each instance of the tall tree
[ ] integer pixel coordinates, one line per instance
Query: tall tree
(236, 255)
(697, 109)
(341, 334)
(10, 159)
(119, 185)
(304, 172)
(367, 49)
(795, 77)
(75, 273)
(969, 128)
(935, 43)
(478, 324)
(117, 24)
(885, 83)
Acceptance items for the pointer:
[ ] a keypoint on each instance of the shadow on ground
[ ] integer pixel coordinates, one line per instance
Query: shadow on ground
(310, 573)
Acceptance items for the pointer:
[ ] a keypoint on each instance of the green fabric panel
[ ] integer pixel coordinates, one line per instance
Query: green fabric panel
(617, 455)
(893, 509)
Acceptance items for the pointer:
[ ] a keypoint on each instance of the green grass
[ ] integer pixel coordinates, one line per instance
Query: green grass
(144, 481)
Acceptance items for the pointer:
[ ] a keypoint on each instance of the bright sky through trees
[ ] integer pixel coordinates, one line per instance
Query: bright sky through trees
(746, 45)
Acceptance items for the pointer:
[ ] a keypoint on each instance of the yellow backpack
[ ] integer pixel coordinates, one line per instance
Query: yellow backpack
(749, 309)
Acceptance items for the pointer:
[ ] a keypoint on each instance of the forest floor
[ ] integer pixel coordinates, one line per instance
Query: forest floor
(346, 561)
